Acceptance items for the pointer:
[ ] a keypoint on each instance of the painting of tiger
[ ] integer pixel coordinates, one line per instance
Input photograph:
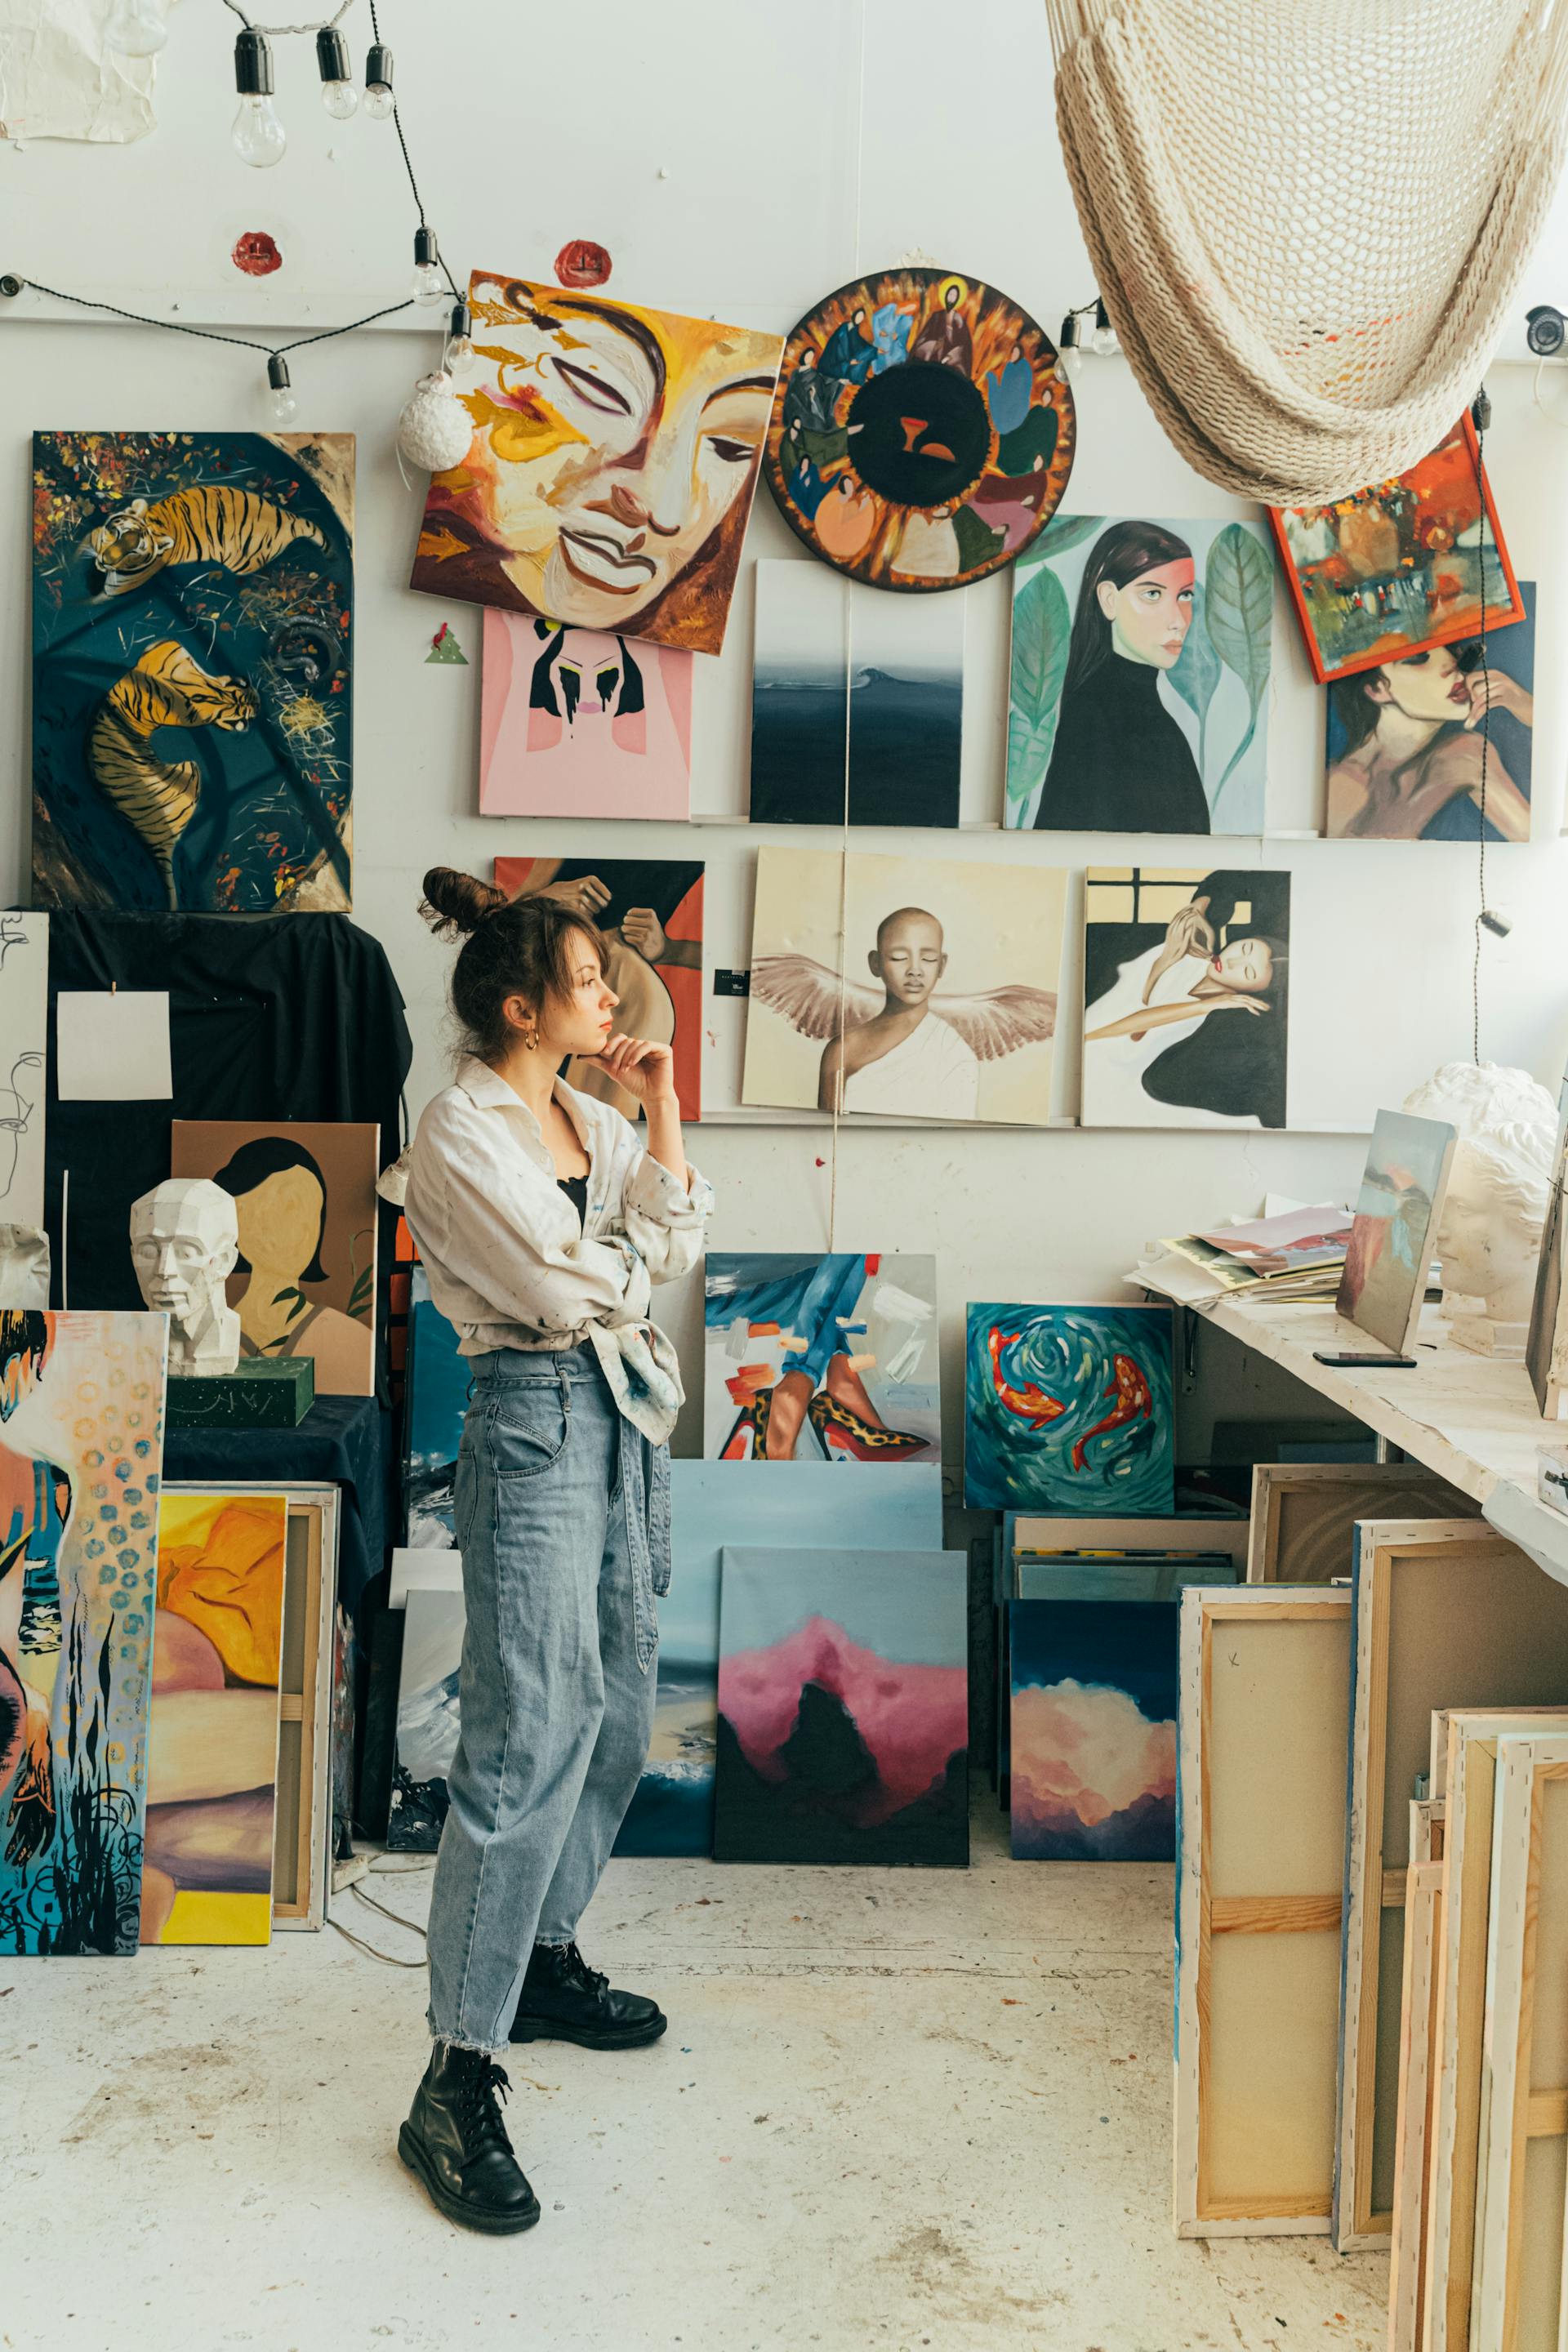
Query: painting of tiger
(213, 524)
(158, 798)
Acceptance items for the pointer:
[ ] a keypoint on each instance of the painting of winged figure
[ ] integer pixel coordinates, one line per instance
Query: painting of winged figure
(193, 607)
(934, 997)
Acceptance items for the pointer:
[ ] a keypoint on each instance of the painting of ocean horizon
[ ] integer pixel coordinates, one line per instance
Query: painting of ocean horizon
(853, 694)
(1069, 1409)
(1093, 1734)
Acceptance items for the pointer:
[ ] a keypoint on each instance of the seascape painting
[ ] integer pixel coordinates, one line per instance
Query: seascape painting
(1092, 1753)
(613, 464)
(856, 703)
(1397, 1214)
(647, 914)
(436, 1392)
(915, 988)
(192, 670)
(23, 1037)
(573, 722)
(1406, 746)
(1138, 693)
(922, 433)
(814, 1507)
(211, 1774)
(843, 1707)
(1069, 1410)
(81, 1445)
(428, 1718)
(304, 1193)
(1186, 997)
(821, 1359)
(1397, 567)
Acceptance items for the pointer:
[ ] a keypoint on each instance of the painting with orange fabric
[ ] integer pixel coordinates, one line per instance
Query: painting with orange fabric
(211, 1775)
(613, 464)
(1396, 567)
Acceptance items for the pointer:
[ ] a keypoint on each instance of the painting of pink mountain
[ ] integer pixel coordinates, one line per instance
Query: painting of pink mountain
(843, 1729)
(1093, 1735)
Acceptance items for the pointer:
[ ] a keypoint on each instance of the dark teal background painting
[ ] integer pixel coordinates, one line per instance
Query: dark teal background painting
(1019, 1454)
(268, 624)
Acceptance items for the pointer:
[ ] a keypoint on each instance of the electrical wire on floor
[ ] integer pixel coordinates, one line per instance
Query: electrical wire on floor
(384, 1869)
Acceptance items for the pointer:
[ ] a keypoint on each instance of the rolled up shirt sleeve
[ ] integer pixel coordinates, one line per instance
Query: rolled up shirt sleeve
(463, 1220)
(666, 1222)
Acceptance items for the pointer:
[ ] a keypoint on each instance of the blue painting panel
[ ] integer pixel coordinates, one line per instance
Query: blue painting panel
(1069, 1409)
(1093, 1730)
(438, 1382)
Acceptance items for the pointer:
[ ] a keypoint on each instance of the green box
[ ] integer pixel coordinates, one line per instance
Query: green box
(265, 1393)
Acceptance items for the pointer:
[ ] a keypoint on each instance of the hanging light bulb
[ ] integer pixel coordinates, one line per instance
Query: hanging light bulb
(282, 403)
(1105, 339)
(460, 349)
(1069, 349)
(338, 95)
(260, 138)
(429, 286)
(136, 29)
(379, 101)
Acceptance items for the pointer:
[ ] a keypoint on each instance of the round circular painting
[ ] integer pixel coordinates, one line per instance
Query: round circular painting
(920, 436)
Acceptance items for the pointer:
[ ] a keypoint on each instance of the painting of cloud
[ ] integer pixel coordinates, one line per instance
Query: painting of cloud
(1093, 1730)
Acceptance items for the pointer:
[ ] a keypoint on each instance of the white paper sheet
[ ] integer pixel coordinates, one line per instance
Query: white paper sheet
(113, 1045)
(423, 1570)
(59, 80)
(23, 1035)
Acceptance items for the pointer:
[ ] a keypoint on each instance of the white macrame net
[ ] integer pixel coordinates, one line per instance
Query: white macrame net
(1308, 217)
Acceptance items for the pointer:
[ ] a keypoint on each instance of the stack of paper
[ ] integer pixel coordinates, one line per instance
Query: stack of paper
(1299, 1255)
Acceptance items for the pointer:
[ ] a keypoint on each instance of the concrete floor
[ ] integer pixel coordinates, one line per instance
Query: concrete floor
(894, 2109)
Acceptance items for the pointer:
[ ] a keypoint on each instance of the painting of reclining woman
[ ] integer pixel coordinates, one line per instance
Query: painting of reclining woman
(1186, 997)
(935, 998)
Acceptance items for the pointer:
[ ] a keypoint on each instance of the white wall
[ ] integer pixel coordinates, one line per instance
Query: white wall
(800, 145)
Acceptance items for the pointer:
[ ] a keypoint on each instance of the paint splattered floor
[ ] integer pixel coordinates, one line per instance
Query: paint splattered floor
(895, 2109)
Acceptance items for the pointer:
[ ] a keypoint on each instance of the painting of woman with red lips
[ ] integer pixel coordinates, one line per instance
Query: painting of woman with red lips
(612, 468)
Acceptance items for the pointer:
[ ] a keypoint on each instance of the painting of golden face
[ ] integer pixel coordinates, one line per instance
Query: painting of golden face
(612, 468)
(920, 437)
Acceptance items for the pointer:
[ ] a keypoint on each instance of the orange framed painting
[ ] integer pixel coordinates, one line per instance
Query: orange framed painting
(1397, 568)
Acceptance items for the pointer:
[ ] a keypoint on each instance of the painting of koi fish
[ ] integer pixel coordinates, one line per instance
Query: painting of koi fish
(1069, 1409)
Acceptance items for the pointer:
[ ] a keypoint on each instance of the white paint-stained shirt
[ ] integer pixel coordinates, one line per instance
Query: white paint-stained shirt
(508, 1264)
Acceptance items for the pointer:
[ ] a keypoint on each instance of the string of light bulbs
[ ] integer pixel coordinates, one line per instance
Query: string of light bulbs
(138, 28)
(1100, 338)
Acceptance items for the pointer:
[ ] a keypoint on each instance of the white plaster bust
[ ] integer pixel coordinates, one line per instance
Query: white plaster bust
(24, 1266)
(185, 1238)
(1490, 1237)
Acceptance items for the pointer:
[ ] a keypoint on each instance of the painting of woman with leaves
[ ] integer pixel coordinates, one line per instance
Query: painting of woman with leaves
(1141, 659)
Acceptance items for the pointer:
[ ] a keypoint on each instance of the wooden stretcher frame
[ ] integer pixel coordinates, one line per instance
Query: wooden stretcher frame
(1417, 2074)
(1305, 1772)
(304, 1690)
(1467, 1739)
(1344, 1492)
(1519, 2289)
(1496, 1631)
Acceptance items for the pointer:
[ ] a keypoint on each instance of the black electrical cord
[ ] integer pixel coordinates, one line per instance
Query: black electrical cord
(408, 166)
(13, 280)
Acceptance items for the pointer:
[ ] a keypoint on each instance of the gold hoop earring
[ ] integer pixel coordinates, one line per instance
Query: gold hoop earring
(530, 1040)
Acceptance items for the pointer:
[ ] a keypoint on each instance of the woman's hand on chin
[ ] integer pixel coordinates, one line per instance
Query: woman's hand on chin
(644, 1069)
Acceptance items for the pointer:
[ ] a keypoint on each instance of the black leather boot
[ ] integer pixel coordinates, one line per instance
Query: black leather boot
(456, 2141)
(564, 1999)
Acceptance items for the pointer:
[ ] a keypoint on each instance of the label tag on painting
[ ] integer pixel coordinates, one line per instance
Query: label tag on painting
(732, 983)
(113, 1045)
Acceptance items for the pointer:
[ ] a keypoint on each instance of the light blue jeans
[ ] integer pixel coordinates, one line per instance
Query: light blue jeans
(563, 1520)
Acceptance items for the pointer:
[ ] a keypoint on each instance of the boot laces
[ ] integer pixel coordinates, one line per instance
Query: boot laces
(574, 1965)
(479, 2108)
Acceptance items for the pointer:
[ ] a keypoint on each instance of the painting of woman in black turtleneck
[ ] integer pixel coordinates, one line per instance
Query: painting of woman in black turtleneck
(1120, 763)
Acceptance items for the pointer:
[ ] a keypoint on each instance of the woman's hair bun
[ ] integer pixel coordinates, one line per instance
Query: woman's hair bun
(456, 904)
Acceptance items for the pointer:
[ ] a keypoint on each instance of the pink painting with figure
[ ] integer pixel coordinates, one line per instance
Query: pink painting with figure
(575, 723)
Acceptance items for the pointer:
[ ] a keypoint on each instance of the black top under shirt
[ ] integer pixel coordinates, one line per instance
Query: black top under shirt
(576, 1191)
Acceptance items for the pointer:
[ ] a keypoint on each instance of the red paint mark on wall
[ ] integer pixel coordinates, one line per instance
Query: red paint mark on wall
(256, 254)
(581, 262)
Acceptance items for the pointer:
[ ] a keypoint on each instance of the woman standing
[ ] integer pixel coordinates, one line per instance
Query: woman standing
(543, 1220)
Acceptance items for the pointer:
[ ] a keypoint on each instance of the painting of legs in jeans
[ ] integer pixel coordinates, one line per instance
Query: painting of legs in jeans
(821, 1359)
(1093, 1741)
(1069, 1409)
(843, 1707)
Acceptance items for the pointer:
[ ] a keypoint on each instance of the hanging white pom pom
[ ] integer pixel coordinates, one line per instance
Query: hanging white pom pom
(434, 430)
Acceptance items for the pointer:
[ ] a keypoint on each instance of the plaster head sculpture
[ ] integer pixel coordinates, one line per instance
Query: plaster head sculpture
(24, 1266)
(184, 1239)
(1490, 1238)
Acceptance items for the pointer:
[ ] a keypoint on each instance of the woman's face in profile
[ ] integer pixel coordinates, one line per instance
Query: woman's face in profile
(1246, 964)
(1430, 685)
(279, 1220)
(1150, 616)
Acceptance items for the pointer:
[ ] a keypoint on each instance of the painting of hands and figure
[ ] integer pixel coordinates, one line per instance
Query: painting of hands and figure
(956, 1017)
(1139, 674)
(647, 914)
(193, 602)
(920, 434)
(1186, 997)
(821, 1359)
(612, 469)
